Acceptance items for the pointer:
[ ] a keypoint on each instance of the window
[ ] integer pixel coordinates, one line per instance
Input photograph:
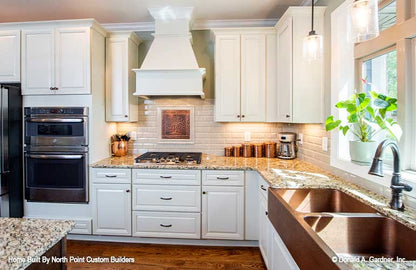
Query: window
(387, 15)
(388, 63)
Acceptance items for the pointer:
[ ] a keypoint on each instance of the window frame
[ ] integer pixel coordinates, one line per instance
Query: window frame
(402, 38)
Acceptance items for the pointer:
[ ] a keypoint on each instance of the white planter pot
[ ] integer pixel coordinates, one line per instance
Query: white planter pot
(362, 153)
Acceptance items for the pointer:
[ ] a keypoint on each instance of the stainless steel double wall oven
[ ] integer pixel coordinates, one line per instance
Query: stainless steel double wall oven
(56, 154)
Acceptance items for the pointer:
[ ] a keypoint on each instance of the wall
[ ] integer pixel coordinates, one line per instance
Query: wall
(210, 137)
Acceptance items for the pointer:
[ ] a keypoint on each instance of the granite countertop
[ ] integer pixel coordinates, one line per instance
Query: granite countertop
(22, 238)
(287, 174)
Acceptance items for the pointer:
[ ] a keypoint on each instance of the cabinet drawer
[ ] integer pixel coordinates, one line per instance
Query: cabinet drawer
(167, 198)
(223, 178)
(111, 176)
(82, 226)
(166, 177)
(263, 187)
(166, 224)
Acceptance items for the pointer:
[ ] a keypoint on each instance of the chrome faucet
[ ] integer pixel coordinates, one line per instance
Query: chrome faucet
(396, 186)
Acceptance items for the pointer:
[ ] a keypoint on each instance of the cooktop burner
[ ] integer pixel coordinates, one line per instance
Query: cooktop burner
(169, 158)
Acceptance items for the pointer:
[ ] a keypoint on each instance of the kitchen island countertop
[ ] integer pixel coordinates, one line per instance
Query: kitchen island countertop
(22, 239)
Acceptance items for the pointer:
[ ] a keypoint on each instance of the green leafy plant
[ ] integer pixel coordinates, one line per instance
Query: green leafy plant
(367, 115)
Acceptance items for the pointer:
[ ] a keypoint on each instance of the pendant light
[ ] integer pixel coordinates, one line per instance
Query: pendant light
(363, 20)
(312, 44)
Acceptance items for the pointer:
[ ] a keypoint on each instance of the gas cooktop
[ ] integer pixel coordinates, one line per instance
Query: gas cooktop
(169, 158)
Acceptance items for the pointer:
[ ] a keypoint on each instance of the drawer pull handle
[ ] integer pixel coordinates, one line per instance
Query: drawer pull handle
(166, 226)
(222, 178)
(165, 177)
(110, 175)
(165, 199)
(263, 188)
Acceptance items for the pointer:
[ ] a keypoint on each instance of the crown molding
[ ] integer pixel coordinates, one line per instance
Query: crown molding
(196, 25)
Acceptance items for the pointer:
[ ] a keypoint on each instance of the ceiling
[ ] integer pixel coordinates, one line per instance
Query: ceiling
(127, 11)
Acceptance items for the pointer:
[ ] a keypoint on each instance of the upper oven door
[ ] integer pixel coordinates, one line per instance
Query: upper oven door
(54, 130)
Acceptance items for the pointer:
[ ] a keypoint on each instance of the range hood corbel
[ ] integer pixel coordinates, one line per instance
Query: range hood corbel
(170, 67)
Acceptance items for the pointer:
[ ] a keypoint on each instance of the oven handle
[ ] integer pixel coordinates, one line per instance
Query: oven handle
(56, 156)
(55, 120)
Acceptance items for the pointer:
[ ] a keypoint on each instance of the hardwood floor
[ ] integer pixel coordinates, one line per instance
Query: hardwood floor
(165, 257)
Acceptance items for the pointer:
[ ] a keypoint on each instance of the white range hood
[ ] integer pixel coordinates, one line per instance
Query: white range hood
(170, 67)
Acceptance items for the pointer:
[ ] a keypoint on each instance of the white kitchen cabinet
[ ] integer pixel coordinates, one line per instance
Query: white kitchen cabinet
(264, 231)
(38, 61)
(10, 56)
(223, 212)
(112, 209)
(280, 258)
(72, 63)
(241, 67)
(299, 82)
(58, 57)
(122, 55)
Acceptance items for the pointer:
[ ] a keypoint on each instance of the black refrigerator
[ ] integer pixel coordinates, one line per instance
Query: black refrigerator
(11, 150)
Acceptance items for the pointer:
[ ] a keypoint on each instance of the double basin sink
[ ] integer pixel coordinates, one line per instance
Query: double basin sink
(346, 225)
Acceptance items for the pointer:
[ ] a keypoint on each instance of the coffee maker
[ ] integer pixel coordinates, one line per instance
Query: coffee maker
(287, 145)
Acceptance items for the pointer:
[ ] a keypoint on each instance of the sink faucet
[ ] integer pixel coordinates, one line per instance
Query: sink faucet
(396, 186)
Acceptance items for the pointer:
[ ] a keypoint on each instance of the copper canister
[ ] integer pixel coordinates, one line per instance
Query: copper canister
(237, 150)
(258, 150)
(247, 150)
(228, 151)
(270, 149)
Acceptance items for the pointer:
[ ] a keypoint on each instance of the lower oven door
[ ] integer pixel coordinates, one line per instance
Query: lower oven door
(56, 177)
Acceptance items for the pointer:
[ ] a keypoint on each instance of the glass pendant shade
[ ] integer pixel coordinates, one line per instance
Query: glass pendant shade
(312, 46)
(363, 20)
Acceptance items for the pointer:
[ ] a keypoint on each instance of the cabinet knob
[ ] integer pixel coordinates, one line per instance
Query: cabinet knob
(126, 116)
(204, 192)
(56, 88)
(263, 188)
(266, 213)
(50, 88)
(128, 190)
(287, 116)
(238, 116)
(243, 116)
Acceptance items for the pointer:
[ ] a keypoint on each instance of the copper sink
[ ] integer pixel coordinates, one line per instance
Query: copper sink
(322, 200)
(375, 236)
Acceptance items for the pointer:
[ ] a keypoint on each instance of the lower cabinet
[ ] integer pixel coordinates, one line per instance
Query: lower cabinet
(112, 209)
(280, 258)
(223, 212)
(166, 224)
(275, 254)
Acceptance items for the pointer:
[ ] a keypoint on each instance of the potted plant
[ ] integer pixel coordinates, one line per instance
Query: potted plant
(367, 116)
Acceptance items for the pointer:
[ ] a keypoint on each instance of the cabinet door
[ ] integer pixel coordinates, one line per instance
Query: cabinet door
(223, 212)
(253, 77)
(284, 71)
(37, 61)
(264, 231)
(112, 209)
(227, 78)
(281, 259)
(10, 56)
(117, 98)
(72, 70)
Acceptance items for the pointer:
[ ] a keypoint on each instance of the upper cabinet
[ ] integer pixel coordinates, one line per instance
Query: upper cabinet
(299, 96)
(243, 60)
(58, 58)
(122, 55)
(10, 56)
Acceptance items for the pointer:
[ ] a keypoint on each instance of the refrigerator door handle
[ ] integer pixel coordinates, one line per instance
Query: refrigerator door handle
(4, 130)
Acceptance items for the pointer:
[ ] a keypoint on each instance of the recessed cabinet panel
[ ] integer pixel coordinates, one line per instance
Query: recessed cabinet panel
(284, 71)
(112, 209)
(72, 61)
(10, 56)
(219, 222)
(253, 78)
(227, 78)
(37, 61)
